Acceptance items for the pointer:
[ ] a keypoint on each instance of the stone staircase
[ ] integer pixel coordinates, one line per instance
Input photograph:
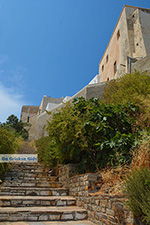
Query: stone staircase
(30, 193)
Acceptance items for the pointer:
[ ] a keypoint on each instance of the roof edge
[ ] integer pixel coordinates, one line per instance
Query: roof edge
(135, 7)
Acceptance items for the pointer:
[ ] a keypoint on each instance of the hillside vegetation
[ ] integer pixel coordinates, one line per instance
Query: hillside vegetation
(100, 133)
(107, 134)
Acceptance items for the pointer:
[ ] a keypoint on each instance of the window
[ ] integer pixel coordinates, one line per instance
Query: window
(106, 58)
(118, 34)
(115, 67)
(107, 78)
(102, 68)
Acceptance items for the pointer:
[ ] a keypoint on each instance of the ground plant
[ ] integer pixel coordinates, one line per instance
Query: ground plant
(137, 188)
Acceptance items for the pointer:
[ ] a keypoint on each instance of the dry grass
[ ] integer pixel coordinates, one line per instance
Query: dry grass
(141, 157)
(113, 179)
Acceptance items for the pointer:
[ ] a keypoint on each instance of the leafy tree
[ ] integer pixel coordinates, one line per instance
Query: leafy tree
(13, 122)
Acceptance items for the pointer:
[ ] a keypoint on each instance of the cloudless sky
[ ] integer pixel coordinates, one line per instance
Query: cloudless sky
(52, 47)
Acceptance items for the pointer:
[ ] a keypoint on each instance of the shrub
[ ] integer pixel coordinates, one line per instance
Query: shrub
(47, 153)
(13, 124)
(131, 88)
(128, 88)
(8, 142)
(141, 156)
(8, 145)
(92, 134)
(137, 187)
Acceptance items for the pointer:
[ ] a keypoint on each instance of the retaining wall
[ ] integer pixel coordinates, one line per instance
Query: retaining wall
(103, 209)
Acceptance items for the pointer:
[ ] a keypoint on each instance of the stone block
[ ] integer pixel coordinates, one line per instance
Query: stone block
(61, 203)
(43, 218)
(81, 216)
(55, 217)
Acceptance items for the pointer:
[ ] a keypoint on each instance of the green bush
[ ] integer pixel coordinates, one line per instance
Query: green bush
(8, 145)
(13, 124)
(128, 88)
(131, 88)
(90, 133)
(47, 153)
(8, 141)
(137, 188)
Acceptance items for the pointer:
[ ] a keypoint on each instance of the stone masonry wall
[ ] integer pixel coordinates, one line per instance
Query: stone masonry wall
(102, 209)
(65, 172)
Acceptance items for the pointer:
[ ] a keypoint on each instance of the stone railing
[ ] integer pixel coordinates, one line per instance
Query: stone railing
(103, 209)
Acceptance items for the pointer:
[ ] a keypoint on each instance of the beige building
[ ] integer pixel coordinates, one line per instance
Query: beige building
(27, 112)
(37, 116)
(130, 42)
(127, 51)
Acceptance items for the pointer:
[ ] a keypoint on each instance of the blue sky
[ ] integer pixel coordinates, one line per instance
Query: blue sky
(52, 47)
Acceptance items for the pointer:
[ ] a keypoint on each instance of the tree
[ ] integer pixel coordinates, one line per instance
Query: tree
(17, 125)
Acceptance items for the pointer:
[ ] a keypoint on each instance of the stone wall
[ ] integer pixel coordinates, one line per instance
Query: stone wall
(64, 173)
(102, 208)
(95, 90)
(141, 65)
(82, 185)
(106, 209)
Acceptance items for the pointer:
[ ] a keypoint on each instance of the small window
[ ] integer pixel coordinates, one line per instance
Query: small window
(137, 44)
(28, 118)
(115, 67)
(107, 78)
(118, 34)
(102, 68)
(106, 58)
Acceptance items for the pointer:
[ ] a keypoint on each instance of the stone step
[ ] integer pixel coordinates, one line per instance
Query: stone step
(80, 222)
(32, 184)
(33, 191)
(42, 214)
(30, 179)
(18, 167)
(27, 165)
(23, 173)
(28, 170)
(25, 201)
